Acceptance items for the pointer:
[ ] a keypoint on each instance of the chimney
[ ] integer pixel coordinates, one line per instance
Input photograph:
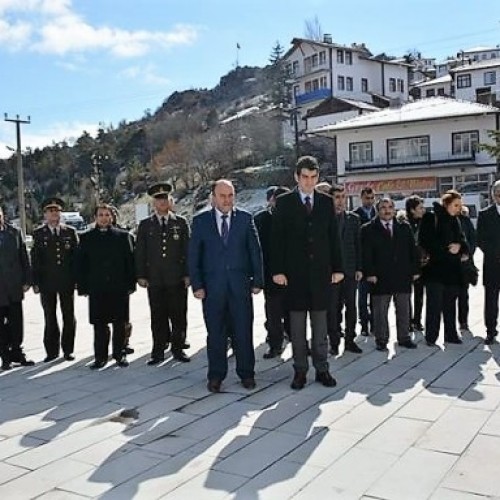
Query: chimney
(327, 38)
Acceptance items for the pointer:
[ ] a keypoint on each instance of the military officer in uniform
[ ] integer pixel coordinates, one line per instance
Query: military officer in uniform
(161, 267)
(53, 262)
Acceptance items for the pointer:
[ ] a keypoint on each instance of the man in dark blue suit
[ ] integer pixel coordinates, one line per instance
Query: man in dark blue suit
(225, 268)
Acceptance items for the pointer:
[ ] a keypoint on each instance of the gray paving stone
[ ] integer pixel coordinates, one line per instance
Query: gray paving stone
(424, 408)
(10, 472)
(477, 470)
(454, 430)
(415, 476)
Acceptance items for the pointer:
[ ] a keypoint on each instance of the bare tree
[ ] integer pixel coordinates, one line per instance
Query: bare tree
(312, 29)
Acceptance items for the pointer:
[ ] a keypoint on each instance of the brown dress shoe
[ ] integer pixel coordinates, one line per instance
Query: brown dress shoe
(299, 381)
(213, 385)
(326, 379)
(248, 383)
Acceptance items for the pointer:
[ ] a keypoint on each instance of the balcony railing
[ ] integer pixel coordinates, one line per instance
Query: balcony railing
(315, 95)
(436, 160)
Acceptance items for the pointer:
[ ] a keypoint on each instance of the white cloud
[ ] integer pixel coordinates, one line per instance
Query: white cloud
(146, 74)
(52, 27)
(52, 133)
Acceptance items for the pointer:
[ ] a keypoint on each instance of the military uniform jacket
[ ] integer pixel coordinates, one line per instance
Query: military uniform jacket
(53, 259)
(14, 266)
(161, 253)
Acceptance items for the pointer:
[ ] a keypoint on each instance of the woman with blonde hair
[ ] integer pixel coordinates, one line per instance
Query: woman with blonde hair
(441, 237)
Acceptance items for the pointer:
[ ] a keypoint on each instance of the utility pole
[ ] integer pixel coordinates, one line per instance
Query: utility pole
(20, 177)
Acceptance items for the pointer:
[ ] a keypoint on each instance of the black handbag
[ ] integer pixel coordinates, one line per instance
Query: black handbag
(470, 272)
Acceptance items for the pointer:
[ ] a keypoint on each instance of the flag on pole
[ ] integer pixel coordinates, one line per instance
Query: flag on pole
(238, 45)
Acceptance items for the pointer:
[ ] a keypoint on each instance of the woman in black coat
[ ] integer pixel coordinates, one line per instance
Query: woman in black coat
(442, 238)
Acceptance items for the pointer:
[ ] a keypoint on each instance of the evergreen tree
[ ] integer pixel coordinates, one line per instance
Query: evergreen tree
(278, 75)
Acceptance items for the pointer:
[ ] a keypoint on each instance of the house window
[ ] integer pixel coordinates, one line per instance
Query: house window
(430, 93)
(308, 87)
(315, 84)
(348, 57)
(296, 90)
(401, 85)
(349, 84)
(360, 152)
(340, 56)
(322, 57)
(323, 82)
(490, 78)
(441, 91)
(307, 64)
(295, 67)
(465, 143)
(314, 60)
(392, 85)
(340, 83)
(364, 84)
(408, 150)
(463, 81)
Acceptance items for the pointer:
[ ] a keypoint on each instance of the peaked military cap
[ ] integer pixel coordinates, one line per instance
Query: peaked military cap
(160, 189)
(53, 202)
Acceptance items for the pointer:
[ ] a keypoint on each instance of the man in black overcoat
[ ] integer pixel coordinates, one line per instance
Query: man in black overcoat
(15, 279)
(344, 293)
(306, 257)
(488, 240)
(106, 274)
(277, 322)
(54, 277)
(390, 265)
(161, 267)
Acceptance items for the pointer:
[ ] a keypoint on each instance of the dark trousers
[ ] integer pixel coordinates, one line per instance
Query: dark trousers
(298, 331)
(343, 296)
(11, 332)
(418, 302)
(380, 311)
(52, 339)
(463, 306)
(277, 321)
(101, 340)
(235, 309)
(491, 293)
(364, 305)
(441, 300)
(168, 306)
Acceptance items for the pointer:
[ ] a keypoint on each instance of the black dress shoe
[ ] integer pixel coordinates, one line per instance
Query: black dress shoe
(334, 350)
(26, 362)
(430, 343)
(352, 347)
(97, 365)
(454, 340)
(326, 379)
(489, 340)
(181, 356)
(122, 362)
(6, 366)
(128, 350)
(248, 383)
(213, 385)
(155, 361)
(299, 381)
(50, 358)
(408, 344)
(186, 345)
(272, 353)
(381, 347)
(69, 357)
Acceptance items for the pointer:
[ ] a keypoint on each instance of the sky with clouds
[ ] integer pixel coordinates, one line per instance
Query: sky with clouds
(73, 64)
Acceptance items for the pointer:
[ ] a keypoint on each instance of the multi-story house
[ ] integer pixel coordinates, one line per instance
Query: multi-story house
(436, 87)
(477, 54)
(479, 81)
(427, 147)
(322, 69)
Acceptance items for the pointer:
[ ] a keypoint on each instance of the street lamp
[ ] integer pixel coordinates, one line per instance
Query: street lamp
(95, 177)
